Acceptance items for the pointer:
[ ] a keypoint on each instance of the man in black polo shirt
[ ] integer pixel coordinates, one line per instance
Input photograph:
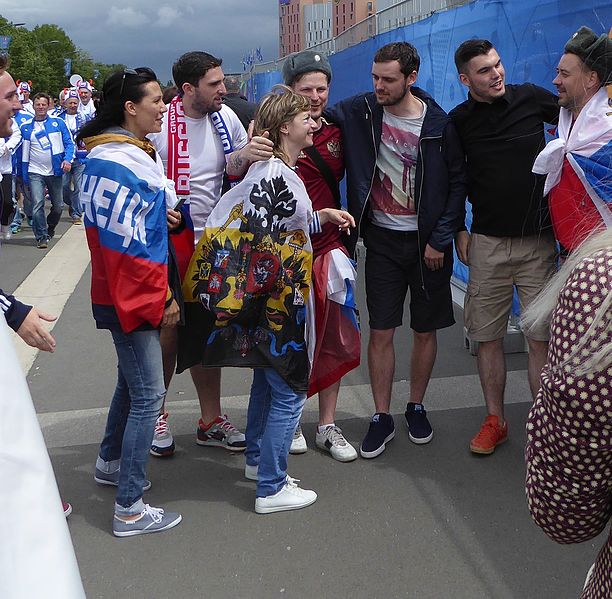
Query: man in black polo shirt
(511, 242)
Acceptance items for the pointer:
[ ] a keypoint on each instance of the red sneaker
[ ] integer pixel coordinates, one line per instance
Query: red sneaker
(490, 435)
(67, 508)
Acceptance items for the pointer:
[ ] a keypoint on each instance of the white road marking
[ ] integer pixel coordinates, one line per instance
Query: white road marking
(52, 282)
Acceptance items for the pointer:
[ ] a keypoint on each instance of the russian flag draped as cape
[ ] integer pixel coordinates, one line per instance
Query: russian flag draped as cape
(124, 200)
(578, 166)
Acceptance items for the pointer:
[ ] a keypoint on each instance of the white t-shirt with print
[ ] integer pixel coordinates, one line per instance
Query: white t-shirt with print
(40, 151)
(206, 161)
(392, 195)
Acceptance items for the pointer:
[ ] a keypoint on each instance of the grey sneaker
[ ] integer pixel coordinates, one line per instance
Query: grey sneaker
(221, 433)
(112, 479)
(152, 519)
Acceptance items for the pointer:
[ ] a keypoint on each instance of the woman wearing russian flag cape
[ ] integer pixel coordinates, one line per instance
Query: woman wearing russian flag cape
(135, 288)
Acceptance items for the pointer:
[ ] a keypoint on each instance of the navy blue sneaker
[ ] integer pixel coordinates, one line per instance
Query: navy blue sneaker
(419, 429)
(381, 431)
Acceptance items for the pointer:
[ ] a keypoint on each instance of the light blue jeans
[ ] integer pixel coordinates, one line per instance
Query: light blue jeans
(131, 418)
(273, 415)
(40, 224)
(72, 196)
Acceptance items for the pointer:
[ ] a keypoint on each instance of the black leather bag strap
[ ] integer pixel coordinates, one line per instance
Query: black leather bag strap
(325, 171)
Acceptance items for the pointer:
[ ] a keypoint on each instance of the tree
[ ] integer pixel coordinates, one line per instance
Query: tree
(38, 56)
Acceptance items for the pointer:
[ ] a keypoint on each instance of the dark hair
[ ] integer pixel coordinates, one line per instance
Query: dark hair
(406, 54)
(40, 95)
(3, 61)
(119, 88)
(470, 49)
(169, 94)
(191, 67)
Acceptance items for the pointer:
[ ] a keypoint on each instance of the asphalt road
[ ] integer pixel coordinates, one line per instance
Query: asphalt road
(421, 522)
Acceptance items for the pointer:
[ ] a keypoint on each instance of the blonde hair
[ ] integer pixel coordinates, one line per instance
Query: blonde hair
(541, 309)
(276, 109)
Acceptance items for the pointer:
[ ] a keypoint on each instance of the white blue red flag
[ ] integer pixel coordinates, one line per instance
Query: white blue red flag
(578, 165)
(124, 195)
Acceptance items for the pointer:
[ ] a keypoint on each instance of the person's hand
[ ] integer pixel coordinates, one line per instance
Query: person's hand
(66, 166)
(34, 333)
(337, 217)
(462, 245)
(259, 148)
(173, 217)
(434, 260)
(171, 315)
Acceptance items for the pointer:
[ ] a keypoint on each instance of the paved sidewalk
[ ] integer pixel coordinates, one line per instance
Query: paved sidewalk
(420, 522)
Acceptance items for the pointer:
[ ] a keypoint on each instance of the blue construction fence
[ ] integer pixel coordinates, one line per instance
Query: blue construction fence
(528, 34)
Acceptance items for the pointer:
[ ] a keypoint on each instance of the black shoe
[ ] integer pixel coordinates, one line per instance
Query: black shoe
(419, 429)
(381, 431)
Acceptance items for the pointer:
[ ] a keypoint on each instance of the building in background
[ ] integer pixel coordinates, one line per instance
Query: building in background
(347, 13)
(307, 23)
(317, 24)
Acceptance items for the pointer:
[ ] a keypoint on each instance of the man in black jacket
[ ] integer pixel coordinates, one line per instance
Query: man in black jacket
(406, 188)
(511, 243)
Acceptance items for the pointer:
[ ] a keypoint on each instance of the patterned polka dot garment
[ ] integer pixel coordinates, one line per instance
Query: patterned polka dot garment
(569, 429)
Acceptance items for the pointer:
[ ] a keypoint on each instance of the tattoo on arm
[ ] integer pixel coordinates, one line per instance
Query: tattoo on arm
(236, 162)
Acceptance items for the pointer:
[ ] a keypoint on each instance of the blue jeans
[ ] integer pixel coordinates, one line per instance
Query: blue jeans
(20, 186)
(273, 414)
(133, 411)
(37, 187)
(72, 196)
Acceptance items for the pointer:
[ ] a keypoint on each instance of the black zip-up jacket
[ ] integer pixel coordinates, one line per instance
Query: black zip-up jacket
(440, 182)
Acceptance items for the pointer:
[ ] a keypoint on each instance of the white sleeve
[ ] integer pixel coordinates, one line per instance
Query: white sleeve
(237, 131)
(13, 142)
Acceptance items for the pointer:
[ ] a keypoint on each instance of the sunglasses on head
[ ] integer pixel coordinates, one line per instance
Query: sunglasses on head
(126, 72)
(139, 71)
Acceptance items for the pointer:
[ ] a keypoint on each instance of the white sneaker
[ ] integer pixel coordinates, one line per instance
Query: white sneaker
(251, 472)
(333, 441)
(290, 497)
(298, 445)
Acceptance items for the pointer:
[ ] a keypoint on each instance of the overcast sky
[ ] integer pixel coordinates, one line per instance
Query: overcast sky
(154, 33)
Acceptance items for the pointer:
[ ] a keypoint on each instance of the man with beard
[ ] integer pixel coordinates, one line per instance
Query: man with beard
(578, 163)
(406, 189)
(511, 244)
(202, 142)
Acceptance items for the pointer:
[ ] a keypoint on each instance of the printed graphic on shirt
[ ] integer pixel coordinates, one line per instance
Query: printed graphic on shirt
(393, 188)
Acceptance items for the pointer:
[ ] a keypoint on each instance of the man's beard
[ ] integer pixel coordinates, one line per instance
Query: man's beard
(392, 100)
(202, 107)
